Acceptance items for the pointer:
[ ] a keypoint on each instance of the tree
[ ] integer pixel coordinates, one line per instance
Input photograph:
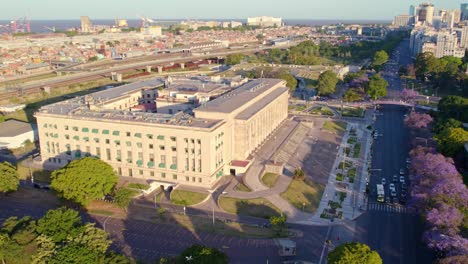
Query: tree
(299, 174)
(327, 83)
(462, 259)
(93, 238)
(380, 57)
(354, 253)
(377, 87)
(352, 96)
(9, 250)
(123, 197)
(84, 180)
(451, 140)
(74, 254)
(454, 107)
(2, 118)
(278, 223)
(198, 254)
(233, 59)
(9, 179)
(291, 82)
(58, 224)
(45, 250)
(417, 120)
(443, 123)
(408, 94)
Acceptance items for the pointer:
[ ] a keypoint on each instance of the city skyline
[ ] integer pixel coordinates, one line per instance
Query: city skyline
(209, 9)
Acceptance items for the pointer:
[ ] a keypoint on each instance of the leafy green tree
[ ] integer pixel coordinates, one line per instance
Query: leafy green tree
(455, 107)
(60, 223)
(114, 258)
(9, 250)
(278, 223)
(25, 231)
(291, 82)
(352, 96)
(444, 123)
(327, 83)
(84, 180)
(377, 87)
(354, 253)
(233, 59)
(451, 140)
(2, 118)
(123, 197)
(74, 254)
(198, 254)
(299, 174)
(380, 58)
(9, 179)
(45, 250)
(93, 238)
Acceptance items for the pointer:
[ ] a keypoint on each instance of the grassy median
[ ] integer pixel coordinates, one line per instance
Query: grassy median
(187, 198)
(270, 179)
(258, 207)
(336, 127)
(304, 195)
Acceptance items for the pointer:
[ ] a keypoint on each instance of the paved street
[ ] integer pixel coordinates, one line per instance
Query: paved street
(389, 229)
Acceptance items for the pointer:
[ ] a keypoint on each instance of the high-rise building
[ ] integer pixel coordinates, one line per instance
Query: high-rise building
(447, 45)
(464, 37)
(412, 10)
(425, 13)
(403, 20)
(86, 25)
(464, 12)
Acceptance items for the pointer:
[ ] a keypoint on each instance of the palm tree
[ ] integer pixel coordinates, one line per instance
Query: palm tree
(299, 174)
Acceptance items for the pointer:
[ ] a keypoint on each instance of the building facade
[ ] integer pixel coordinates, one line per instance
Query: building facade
(265, 21)
(174, 148)
(464, 12)
(403, 20)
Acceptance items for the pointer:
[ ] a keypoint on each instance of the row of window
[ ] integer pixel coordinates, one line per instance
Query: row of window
(114, 133)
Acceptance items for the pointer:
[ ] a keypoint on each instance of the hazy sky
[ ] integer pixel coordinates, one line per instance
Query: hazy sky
(184, 9)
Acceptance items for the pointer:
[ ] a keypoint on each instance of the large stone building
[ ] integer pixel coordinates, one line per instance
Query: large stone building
(174, 148)
(439, 42)
(265, 21)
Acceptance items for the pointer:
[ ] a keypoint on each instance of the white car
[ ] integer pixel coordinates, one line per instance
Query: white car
(392, 186)
(402, 179)
(408, 160)
(402, 171)
(384, 181)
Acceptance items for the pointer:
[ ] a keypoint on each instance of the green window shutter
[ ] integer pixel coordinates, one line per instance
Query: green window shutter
(95, 131)
(138, 135)
(75, 128)
(86, 139)
(78, 154)
(129, 144)
(117, 142)
(96, 140)
(45, 125)
(85, 129)
(116, 133)
(174, 167)
(139, 163)
(105, 132)
(151, 164)
(150, 136)
(76, 138)
(162, 165)
(160, 137)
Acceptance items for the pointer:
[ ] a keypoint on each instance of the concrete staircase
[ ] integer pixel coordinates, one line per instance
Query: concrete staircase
(292, 143)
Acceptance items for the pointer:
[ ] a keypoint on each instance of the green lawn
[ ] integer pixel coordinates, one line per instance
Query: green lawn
(269, 179)
(258, 207)
(352, 140)
(297, 108)
(39, 175)
(186, 198)
(304, 194)
(357, 149)
(336, 127)
(138, 186)
(101, 212)
(339, 177)
(242, 187)
(351, 174)
(353, 112)
(322, 111)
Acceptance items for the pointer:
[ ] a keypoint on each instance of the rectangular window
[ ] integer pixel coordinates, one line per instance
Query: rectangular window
(76, 138)
(118, 155)
(193, 141)
(140, 155)
(152, 173)
(67, 136)
(138, 135)
(95, 131)
(150, 146)
(140, 172)
(149, 136)
(130, 172)
(85, 130)
(139, 145)
(151, 157)
(163, 175)
(86, 139)
(105, 132)
(193, 179)
(96, 140)
(161, 137)
(107, 141)
(187, 178)
(98, 152)
(116, 133)
(66, 127)
(162, 147)
(129, 156)
(174, 176)
(173, 148)
(128, 134)
(129, 144)
(198, 141)
(88, 149)
(75, 128)
(173, 138)
(108, 154)
(163, 158)
(199, 180)
(117, 142)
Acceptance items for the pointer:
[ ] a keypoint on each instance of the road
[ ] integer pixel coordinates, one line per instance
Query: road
(391, 229)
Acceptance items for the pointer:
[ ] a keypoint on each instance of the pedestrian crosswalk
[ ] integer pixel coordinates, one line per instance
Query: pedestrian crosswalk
(390, 208)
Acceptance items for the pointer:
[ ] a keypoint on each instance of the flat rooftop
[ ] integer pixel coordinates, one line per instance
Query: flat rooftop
(12, 128)
(119, 91)
(253, 109)
(238, 97)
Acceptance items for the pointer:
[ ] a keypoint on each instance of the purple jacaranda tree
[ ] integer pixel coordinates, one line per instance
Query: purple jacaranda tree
(359, 82)
(449, 245)
(417, 120)
(445, 218)
(408, 94)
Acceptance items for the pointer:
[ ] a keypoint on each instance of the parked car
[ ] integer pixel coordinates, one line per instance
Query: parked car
(395, 178)
(384, 181)
(402, 171)
(402, 179)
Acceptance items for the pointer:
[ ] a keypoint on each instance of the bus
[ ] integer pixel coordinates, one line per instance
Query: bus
(380, 193)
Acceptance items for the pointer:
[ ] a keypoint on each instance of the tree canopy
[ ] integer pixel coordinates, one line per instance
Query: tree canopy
(454, 107)
(353, 253)
(291, 82)
(380, 57)
(60, 223)
(352, 95)
(198, 254)
(9, 178)
(451, 140)
(327, 82)
(233, 59)
(377, 87)
(84, 180)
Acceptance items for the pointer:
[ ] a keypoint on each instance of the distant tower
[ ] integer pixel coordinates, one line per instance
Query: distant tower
(86, 25)
(412, 10)
(464, 12)
(425, 13)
